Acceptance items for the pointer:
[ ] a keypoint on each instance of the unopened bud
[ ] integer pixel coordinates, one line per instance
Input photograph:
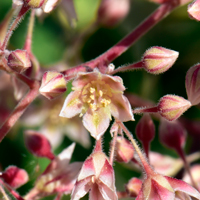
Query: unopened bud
(112, 11)
(14, 176)
(194, 10)
(53, 84)
(172, 107)
(35, 3)
(19, 60)
(145, 129)
(124, 150)
(192, 84)
(38, 144)
(172, 134)
(158, 59)
(133, 187)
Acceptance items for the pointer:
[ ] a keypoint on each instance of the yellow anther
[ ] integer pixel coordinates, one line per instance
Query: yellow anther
(92, 90)
(100, 93)
(92, 97)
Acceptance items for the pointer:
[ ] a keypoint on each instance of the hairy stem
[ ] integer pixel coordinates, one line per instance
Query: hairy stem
(19, 110)
(113, 144)
(143, 161)
(115, 51)
(22, 12)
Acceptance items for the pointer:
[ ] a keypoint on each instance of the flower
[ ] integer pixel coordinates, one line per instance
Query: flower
(96, 176)
(156, 186)
(96, 97)
(45, 116)
(59, 176)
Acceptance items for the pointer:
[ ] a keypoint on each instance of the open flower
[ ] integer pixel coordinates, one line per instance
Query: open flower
(58, 178)
(96, 176)
(161, 187)
(97, 96)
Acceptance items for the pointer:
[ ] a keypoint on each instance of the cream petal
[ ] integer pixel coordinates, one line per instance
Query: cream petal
(72, 105)
(115, 82)
(107, 175)
(179, 185)
(120, 108)
(107, 192)
(159, 192)
(83, 78)
(97, 122)
(95, 194)
(81, 188)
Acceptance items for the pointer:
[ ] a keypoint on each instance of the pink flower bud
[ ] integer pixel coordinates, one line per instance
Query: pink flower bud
(172, 134)
(112, 11)
(192, 84)
(145, 131)
(14, 176)
(158, 59)
(38, 145)
(53, 84)
(194, 10)
(124, 150)
(172, 107)
(133, 187)
(19, 60)
(34, 3)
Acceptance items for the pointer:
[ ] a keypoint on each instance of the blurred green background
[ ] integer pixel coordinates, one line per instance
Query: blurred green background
(52, 42)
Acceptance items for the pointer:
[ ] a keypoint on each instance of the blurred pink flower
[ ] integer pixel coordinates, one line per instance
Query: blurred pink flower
(97, 96)
(59, 176)
(54, 127)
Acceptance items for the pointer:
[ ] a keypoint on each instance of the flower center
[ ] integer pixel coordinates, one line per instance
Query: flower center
(96, 94)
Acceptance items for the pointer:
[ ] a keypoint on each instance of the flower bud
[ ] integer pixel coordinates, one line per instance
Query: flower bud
(53, 84)
(172, 107)
(14, 176)
(145, 131)
(35, 3)
(158, 59)
(38, 144)
(112, 11)
(124, 150)
(172, 134)
(133, 187)
(19, 60)
(192, 84)
(194, 10)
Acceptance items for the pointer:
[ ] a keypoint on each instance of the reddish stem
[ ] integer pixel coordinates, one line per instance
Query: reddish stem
(122, 194)
(143, 160)
(115, 51)
(133, 66)
(14, 193)
(22, 12)
(146, 110)
(19, 110)
(187, 167)
(98, 146)
(113, 144)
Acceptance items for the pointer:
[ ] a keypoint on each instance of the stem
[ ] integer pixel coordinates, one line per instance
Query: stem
(133, 66)
(146, 110)
(112, 152)
(98, 145)
(115, 51)
(22, 12)
(28, 42)
(14, 193)
(3, 192)
(147, 168)
(19, 110)
(187, 167)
